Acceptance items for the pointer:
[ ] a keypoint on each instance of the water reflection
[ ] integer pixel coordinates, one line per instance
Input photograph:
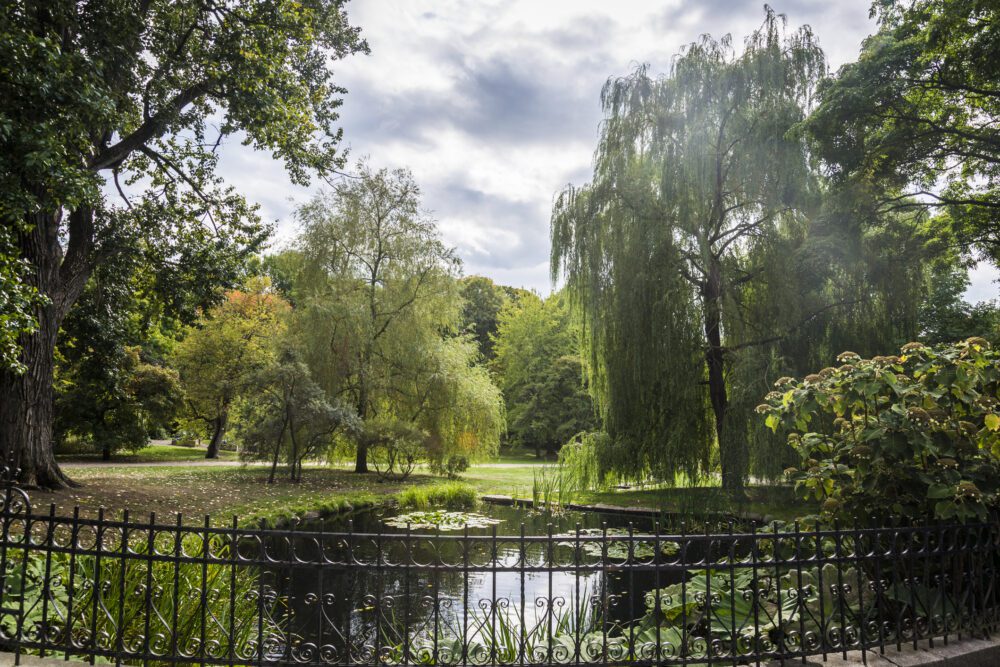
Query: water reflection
(451, 593)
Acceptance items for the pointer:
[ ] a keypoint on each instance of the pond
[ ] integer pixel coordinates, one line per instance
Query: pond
(425, 587)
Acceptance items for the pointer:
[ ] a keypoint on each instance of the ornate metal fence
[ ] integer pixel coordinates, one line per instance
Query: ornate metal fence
(154, 592)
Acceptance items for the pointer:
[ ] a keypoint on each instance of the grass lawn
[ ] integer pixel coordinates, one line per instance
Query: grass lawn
(154, 453)
(220, 491)
(223, 491)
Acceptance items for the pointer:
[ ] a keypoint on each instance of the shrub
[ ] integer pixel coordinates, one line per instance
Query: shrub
(916, 434)
(451, 467)
(394, 447)
(184, 439)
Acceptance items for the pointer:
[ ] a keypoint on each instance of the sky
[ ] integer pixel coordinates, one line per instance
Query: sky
(495, 107)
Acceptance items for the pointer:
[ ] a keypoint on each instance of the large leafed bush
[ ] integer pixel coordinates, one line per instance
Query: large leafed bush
(916, 435)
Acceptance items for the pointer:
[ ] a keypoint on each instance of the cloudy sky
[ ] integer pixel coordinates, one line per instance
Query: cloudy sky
(494, 105)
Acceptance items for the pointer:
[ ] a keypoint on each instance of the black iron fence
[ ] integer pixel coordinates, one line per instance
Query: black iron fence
(154, 592)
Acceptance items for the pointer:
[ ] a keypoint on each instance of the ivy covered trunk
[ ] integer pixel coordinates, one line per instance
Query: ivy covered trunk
(26, 411)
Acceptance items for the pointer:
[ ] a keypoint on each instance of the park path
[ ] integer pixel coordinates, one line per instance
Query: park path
(205, 463)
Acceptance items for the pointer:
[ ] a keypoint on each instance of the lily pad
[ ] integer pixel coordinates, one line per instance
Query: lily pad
(617, 548)
(441, 520)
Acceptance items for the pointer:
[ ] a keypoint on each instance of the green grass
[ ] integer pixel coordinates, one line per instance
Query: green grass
(156, 453)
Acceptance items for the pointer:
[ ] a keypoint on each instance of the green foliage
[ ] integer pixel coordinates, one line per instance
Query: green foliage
(552, 488)
(450, 495)
(225, 349)
(17, 298)
(113, 386)
(451, 467)
(377, 307)
(113, 401)
(43, 590)
(916, 435)
(480, 312)
(287, 414)
(918, 114)
(697, 184)
(394, 447)
(946, 317)
(540, 372)
(583, 459)
(136, 99)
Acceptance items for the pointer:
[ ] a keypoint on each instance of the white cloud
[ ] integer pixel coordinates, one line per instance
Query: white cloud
(495, 105)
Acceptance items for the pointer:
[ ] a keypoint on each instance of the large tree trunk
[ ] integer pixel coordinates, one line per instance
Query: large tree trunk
(218, 433)
(731, 457)
(26, 411)
(26, 400)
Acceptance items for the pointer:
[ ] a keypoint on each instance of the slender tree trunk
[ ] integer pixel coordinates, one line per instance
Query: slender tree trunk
(295, 448)
(277, 451)
(218, 433)
(731, 453)
(26, 400)
(361, 459)
(106, 452)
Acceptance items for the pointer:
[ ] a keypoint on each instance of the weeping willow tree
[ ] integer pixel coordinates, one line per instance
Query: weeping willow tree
(686, 254)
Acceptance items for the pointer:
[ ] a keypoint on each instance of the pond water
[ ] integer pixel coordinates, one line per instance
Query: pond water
(384, 586)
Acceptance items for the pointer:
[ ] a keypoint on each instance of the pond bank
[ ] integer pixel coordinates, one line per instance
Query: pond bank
(604, 508)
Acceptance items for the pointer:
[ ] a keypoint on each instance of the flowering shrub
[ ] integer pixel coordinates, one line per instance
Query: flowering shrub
(916, 435)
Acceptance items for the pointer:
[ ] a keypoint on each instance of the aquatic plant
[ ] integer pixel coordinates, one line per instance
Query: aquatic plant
(552, 487)
(450, 495)
(617, 546)
(441, 520)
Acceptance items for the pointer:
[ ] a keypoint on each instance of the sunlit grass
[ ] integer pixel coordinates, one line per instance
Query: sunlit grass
(156, 453)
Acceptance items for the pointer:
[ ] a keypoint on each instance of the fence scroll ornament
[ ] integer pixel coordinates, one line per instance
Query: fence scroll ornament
(167, 592)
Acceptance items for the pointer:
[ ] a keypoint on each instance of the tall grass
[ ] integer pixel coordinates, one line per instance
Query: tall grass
(503, 635)
(553, 487)
(449, 495)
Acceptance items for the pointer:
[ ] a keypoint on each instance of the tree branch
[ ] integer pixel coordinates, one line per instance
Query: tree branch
(150, 129)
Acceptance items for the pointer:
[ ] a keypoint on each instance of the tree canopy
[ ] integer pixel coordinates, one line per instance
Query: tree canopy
(917, 116)
(539, 369)
(288, 414)
(225, 350)
(483, 301)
